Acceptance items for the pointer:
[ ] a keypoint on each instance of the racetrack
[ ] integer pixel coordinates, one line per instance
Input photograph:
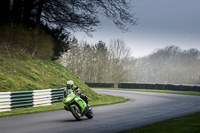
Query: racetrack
(142, 109)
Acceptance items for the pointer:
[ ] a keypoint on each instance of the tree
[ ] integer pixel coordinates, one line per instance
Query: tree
(121, 64)
(61, 40)
(17, 11)
(100, 59)
(4, 11)
(27, 12)
(71, 14)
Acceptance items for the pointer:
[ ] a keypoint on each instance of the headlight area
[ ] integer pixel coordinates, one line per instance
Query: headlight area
(68, 99)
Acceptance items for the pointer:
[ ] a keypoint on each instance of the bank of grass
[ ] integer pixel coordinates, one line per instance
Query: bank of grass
(187, 124)
(102, 100)
(23, 73)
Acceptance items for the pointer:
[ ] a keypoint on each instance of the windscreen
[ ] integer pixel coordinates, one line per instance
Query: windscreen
(67, 92)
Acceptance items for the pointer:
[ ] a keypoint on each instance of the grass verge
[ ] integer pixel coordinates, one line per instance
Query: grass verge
(102, 100)
(186, 124)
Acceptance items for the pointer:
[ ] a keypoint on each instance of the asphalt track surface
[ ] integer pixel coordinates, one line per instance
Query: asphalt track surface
(143, 108)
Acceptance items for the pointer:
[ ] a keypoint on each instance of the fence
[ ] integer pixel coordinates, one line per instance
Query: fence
(35, 98)
(160, 86)
(148, 86)
(101, 85)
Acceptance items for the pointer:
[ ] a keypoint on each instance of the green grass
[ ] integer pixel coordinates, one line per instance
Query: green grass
(187, 124)
(24, 74)
(107, 99)
(102, 100)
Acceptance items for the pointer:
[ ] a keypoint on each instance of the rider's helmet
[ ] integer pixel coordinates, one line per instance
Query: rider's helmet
(70, 84)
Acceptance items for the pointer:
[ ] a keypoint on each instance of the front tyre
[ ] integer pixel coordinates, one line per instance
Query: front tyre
(76, 113)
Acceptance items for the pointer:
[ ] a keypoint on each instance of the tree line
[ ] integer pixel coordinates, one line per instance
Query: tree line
(100, 63)
(169, 65)
(113, 63)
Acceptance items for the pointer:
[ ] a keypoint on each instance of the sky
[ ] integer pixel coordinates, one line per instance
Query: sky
(161, 23)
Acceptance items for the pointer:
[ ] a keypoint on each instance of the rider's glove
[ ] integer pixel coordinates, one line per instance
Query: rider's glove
(77, 93)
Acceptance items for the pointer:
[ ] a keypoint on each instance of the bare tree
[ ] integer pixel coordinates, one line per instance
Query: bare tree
(101, 63)
(84, 15)
(170, 65)
(121, 65)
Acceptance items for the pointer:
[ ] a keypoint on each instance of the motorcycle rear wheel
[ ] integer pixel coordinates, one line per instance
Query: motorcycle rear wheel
(89, 115)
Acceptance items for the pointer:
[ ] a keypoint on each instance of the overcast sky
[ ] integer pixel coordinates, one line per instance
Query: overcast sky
(160, 23)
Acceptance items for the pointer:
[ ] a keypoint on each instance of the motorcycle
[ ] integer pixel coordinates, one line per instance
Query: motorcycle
(76, 105)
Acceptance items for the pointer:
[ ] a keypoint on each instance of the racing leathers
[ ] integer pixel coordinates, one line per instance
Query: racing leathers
(77, 91)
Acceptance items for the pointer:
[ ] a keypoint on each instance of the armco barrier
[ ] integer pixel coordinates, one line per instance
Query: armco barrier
(21, 99)
(5, 101)
(186, 88)
(55, 93)
(148, 86)
(174, 87)
(41, 97)
(197, 88)
(101, 85)
(160, 87)
(35, 98)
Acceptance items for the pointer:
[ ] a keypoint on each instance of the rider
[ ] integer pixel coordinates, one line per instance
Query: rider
(77, 91)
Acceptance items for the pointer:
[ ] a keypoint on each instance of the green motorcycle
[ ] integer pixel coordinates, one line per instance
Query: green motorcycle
(76, 105)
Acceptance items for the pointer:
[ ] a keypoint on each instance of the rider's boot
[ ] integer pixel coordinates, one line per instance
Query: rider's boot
(66, 108)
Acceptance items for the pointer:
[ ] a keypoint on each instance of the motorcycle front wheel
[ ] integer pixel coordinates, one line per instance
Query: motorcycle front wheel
(76, 113)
